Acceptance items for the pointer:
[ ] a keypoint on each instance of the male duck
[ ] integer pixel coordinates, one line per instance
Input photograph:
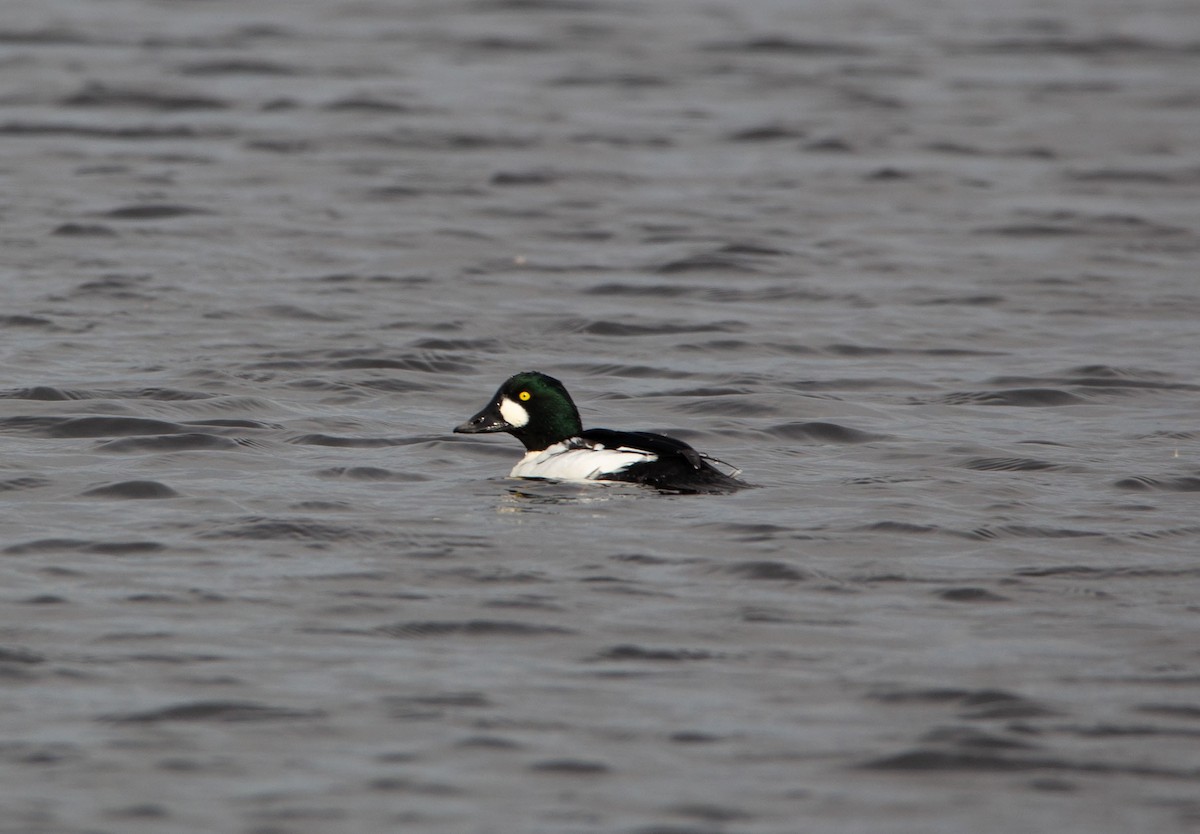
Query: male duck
(538, 411)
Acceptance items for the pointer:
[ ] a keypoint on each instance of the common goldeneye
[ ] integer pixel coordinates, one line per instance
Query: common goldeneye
(538, 411)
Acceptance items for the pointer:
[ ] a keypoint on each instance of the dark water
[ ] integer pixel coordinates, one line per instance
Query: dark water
(926, 271)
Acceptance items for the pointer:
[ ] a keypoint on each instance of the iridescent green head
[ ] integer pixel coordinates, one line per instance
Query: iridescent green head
(532, 407)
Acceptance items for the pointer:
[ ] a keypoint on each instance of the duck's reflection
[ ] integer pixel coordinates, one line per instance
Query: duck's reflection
(532, 495)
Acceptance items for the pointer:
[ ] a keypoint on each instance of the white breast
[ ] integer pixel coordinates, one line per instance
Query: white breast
(573, 461)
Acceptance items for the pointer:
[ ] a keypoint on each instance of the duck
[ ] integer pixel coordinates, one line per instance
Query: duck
(536, 409)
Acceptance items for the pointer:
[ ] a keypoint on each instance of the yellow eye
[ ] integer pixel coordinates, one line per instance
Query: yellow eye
(523, 396)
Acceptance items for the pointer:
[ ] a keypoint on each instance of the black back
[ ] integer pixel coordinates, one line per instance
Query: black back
(679, 467)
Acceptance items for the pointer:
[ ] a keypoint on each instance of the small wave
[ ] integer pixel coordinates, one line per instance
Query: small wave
(369, 473)
(936, 695)
(85, 546)
(746, 247)
(1167, 533)
(615, 79)
(871, 480)
(508, 43)
(571, 767)
(239, 67)
(623, 139)
(270, 529)
(716, 261)
(1066, 223)
(767, 570)
(232, 423)
(25, 321)
(1103, 44)
(533, 176)
(972, 703)
(1025, 531)
(87, 426)
(1189, 711)
(83, 230)
(749, 532)
(627, 328)
(633, 372)
(1012, 465)
(783, 45)
(398, 705)
(887, 173)
(24, 656)
(44, 393)
(1020, 397)
(245, 404)
(119, 133)
(95, 94)
(311, 384)
(295, 312)
(23, 483)
(976, 300)
(976, 739)
(396, 385)
(1137, 176)
(858, 350)
(822, 432)
(628, 651)
(640, 290)
(45, 37)
(725, 406)
(1183, 483)
(830, 144)
(767, 294)
(732, 345)
(502, 451)
(153, 211)
(426, 363)
(1101, 376)
(349, 442)
(165, 394)
(468, 628)
(354, 278)
(769, 132)
(899, 526)
(279, 146)
(115, 286)
(412, 139)
(955, 761)
(218, 711)
(394, 192)
(366, 104)
(1106, 730)
(1030, 230)
(1121, 572)
(49, 393)
(133, 490)
(185, 442)
(431, 343)
(703, 391)
(971, 595)
(950, 760)
(366, 363)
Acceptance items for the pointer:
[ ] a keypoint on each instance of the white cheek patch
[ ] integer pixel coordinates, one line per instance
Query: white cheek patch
(513, 413)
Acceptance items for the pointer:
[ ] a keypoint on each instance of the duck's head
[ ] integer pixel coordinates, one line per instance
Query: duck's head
(532, 407)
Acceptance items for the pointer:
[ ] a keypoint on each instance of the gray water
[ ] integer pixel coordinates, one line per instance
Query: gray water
(926, 272)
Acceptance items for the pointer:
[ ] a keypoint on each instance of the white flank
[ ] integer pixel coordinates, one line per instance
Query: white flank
(514, 413)
(568, 462)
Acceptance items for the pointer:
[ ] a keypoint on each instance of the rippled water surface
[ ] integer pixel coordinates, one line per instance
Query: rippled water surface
(926, 272)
